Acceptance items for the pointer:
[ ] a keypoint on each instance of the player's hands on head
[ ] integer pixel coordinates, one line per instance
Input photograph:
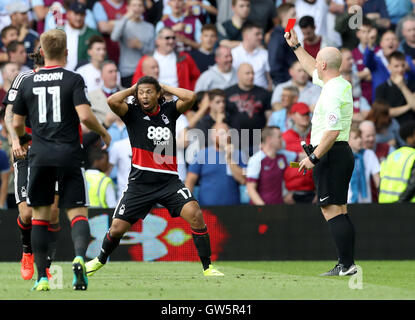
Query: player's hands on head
(291, 38)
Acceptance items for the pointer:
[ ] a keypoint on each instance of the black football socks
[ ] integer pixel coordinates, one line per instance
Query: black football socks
(25, 235)
(108, 246)
(40, 243)
(343, 234)
(53, 237)
(81, 235)
(202, 242)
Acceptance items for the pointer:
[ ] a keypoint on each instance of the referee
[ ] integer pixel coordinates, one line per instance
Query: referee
(332, 160)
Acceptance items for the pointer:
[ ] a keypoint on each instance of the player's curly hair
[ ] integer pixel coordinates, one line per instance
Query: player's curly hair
(148, 80)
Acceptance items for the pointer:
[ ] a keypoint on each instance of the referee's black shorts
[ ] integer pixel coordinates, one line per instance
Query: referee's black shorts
(333, 173)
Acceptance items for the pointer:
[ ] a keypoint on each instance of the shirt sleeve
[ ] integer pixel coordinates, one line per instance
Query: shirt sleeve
(316, 79)
(80, 95)
(332, 103)
(253, 169)
(99, 12)
(373, 162)
(19, 104)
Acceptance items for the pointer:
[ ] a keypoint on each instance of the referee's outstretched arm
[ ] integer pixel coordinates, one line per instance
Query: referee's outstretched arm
(306, 60)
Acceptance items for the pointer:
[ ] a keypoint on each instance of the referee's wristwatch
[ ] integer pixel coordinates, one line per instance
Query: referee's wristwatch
(296, 46)
(313, 158)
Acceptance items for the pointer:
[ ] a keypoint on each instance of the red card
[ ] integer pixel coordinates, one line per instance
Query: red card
(290, 25)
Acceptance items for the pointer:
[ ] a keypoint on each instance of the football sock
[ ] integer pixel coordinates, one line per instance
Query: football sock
(53, 231)
(25, 235)
(202, 242)
(343, 235)
(40, 243)
(354, 234)
(81, 235)
(108, 246)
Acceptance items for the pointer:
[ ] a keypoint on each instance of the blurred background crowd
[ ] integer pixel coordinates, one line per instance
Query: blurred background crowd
(248, 82)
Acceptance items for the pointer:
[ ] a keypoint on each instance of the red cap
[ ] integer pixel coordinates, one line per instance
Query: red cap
(300, 107)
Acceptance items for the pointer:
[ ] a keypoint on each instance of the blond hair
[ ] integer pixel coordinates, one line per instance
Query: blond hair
(53, 43)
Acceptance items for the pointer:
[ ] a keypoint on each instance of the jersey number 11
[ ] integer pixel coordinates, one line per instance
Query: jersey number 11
(55, 91)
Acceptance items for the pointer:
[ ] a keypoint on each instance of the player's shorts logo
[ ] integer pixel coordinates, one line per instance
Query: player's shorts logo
(23, 191)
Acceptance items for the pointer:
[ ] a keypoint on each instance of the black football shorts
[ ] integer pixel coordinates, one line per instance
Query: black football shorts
(71, 185)
(333, 173)
(138, 199)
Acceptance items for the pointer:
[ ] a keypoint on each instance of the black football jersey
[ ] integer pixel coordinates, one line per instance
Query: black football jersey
(12, 93)
(48, 98)
(153, 142)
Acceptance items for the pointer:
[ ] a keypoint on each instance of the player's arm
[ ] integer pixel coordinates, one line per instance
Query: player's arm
(117, 101)
(18, 151)
(191, 179)
(251, 187)
(186, 97)
(306, 60)
(87, 117)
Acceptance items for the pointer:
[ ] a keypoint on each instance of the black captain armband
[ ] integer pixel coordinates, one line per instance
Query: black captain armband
(314, 160)
(25, 139)
(296, 46)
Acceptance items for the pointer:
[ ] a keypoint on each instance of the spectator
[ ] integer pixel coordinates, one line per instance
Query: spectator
(300, 187)
(265, 171)
(398, 171)
(396, 91)
(348, 35)
(387, 127)
(366, 166)
(204, 56)
(230, 31)
(98, 97)
(186, 72)
(224, 11)
(101, 190)
(9, 71)
(363, 33)
(378, 62)
(17, 54)
(280, 55)
(376, 11)
(407, 45)
(409, 14)
(397, 10)
(106, 13)
(211, 111)
(91, 72)
(187, 28)
(308, 92)
(78, 35)
(336, 8)
(136, 38)
(247, 107)
(280, 118)
(200, 9)
(251, 51)
(219, 170)
(318, 9)
(219, 76)
(120, 156)
(368, 134)
(8, 34)
(19, 18)
(312, 42)
(150, 67)
(56, 16)
(263, 13)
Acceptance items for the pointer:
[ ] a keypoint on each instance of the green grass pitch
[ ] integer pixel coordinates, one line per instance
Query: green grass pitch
(278, 280)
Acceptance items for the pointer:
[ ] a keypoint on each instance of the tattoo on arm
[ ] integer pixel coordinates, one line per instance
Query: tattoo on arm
(8, 119)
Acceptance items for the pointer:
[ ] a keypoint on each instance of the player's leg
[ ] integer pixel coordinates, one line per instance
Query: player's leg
(24, 219)
(180, 202)
(53, 229)
(41, 185)
(134, 204)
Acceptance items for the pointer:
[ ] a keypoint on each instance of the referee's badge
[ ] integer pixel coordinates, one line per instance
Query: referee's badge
(332, 119)
(12, 95)
(281, 164)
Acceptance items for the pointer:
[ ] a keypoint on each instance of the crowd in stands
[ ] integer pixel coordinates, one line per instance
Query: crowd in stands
(255, 102)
